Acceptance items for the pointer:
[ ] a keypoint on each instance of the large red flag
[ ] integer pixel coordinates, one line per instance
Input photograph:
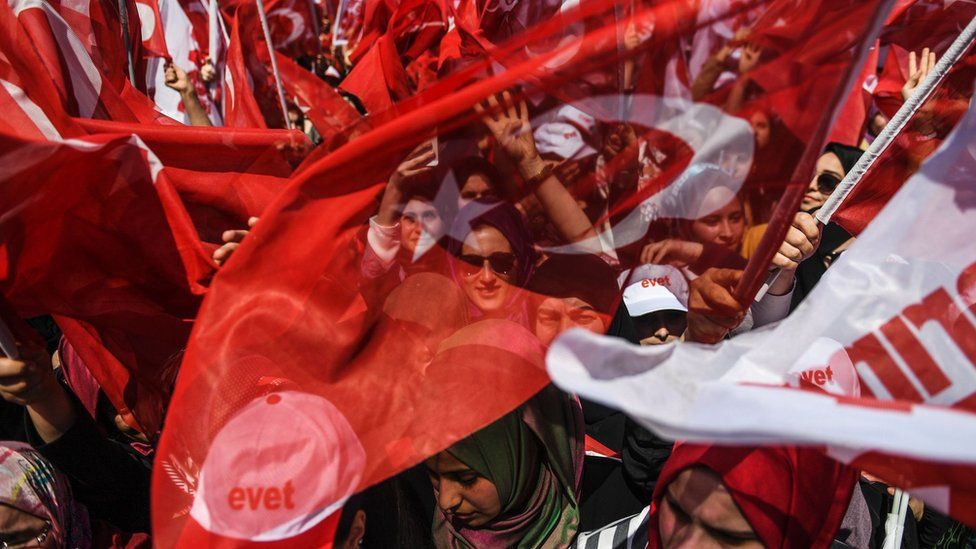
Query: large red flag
(293, 319)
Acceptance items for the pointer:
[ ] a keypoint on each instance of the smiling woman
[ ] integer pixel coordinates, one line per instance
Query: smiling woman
(494, 259)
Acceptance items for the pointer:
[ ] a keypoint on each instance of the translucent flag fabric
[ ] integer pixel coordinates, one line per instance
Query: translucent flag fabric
(420, 337)
(876, 365)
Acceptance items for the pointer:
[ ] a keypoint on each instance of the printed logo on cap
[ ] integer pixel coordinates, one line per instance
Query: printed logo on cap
(826, 365)
(281, 466)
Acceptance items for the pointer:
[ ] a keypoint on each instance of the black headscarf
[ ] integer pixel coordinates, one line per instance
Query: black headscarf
(847, 154)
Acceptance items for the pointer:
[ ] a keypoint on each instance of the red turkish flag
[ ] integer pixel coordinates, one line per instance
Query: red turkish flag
(291, 22)
(291, 323)
(151, 28)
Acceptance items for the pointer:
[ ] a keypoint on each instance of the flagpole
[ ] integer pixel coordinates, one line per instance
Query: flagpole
(274, 62)
(889, 133)
(124, 20)
(8, 344)
(213, 25)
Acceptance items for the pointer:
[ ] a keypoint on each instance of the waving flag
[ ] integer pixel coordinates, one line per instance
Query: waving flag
(295, 309)
(151, 28)
(878, 364)
(934, 119)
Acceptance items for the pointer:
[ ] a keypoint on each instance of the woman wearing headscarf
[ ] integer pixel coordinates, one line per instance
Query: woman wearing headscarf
(774, 497)
(493, 259)
(708, 218)
(514, 483)
(37, 506)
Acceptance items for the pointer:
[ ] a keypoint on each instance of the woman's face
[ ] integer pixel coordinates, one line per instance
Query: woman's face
(827, 165)
(487, 269)
(463, 494)
(724, 227)
(420, 225)
(20, 528)
(477, 186)
(558, 314)
(697, 511)
(760, 128)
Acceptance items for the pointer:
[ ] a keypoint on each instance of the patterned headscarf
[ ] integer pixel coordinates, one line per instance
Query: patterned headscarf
(29, 483)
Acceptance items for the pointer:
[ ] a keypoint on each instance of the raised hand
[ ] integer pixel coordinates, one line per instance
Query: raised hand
(207, 71)
(414, 164)
(508, 122)
(749, 57)
(917, 71)
(30, 379)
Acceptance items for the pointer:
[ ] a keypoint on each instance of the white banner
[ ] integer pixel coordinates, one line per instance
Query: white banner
(897, 309)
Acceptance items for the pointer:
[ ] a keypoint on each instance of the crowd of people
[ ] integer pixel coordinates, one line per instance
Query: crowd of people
(507, 232)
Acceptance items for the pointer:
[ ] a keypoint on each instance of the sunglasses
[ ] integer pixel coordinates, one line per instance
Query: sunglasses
(827, 182)
(500, 262)
(676, 323)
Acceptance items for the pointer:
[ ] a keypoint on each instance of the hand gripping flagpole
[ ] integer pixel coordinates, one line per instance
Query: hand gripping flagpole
(274, 62)
(889, 133)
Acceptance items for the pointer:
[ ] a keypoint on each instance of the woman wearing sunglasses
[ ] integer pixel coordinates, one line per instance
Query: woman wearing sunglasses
(836, 160)
(493, 259)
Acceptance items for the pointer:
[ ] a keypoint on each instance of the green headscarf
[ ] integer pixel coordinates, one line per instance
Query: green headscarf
(533, 456)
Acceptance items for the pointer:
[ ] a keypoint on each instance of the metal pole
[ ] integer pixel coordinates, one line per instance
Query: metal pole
(124, 19)
(8, 343)
(898, 122)
(274, 62)
(213, 29)
(889, 133)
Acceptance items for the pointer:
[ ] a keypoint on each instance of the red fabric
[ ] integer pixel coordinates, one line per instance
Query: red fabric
(853, 114)
(128, 267)
(290, 21)
(328, 111)
(919, 25)
(814, 54)
(380, 77)
(151, 25)
(241, 109)
(792, 497)
(309, 323)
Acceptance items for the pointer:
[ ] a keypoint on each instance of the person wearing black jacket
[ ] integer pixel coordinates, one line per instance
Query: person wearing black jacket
(106, 474)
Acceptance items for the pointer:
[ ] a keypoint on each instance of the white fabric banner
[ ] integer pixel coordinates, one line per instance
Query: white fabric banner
(879, 358)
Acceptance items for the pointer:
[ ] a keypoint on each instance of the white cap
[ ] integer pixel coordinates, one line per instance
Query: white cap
(652, 288)
(280, 466)
(564, 134)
